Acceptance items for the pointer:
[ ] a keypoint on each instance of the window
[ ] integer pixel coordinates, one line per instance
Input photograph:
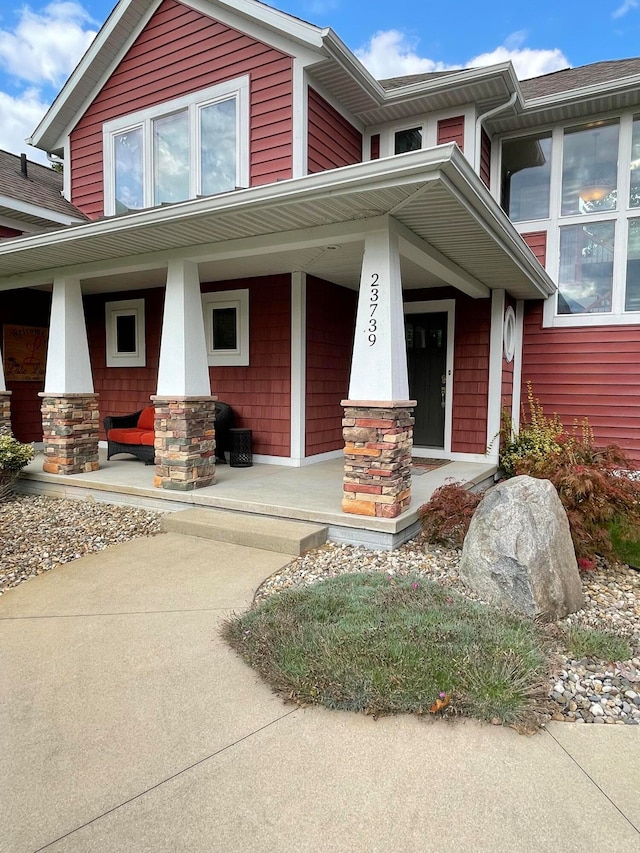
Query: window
(226, 323)
(190, 146)
(408, 140)
(585, 182)
(125, 333)
(526, 177)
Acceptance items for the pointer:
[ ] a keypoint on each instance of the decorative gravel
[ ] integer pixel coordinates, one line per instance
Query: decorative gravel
(38, 533)
(584, 691)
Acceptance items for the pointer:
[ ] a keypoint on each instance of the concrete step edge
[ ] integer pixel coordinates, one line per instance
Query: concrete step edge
(269, 534)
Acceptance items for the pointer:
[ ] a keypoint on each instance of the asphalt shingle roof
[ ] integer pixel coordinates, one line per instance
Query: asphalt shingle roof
(41, 187)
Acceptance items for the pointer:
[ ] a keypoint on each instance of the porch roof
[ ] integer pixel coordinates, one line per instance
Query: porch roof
(433, 193)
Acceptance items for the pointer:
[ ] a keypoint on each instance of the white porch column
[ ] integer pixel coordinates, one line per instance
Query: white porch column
(379, 365)
(5, 403)
(185, 410)
(494, 396)
(183, 369)
(378, 422)
(70, 417)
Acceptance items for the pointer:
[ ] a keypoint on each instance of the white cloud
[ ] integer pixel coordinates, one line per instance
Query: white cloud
(627, 6)
(20, 116)
(526, 61)
(45, 46)
(393, 54)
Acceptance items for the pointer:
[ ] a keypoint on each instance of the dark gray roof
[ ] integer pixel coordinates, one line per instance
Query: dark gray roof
(42, 186)
(577, 78)
(567, 80)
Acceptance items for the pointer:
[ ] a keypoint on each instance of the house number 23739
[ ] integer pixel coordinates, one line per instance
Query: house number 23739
(372, 329)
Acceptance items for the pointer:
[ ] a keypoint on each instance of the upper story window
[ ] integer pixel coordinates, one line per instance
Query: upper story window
(526, 177)
(585, 182)
(190, 146)
(407, 140)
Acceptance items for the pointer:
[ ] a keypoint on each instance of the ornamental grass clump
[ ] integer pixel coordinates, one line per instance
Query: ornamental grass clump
(592, 482)
(383, 644)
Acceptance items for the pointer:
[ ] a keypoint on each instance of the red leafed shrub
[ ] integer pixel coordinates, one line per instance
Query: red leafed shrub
(591, 481)
(447, 515)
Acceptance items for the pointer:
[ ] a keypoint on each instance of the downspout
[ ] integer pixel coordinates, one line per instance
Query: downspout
(479, 122)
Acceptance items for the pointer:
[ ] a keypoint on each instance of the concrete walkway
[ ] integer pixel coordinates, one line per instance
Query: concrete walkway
(127, 725)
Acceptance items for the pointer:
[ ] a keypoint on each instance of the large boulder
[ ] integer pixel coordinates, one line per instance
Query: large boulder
(518, 552)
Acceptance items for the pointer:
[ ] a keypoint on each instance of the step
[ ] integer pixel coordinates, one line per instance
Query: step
(253, 531)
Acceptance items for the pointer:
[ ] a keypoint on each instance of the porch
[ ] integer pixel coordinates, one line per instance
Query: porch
(311, 493)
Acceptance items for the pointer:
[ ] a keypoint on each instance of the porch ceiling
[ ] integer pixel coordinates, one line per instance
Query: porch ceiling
(288, 226)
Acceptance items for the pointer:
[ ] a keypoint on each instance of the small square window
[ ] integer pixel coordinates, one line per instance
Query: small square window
(408, 140)
(125, 333)
(226, 321)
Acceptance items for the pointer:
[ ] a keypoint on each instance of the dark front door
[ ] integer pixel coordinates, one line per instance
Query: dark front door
(427, 362)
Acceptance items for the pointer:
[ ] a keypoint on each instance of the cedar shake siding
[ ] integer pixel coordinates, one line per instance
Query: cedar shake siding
(537, 242)
(471, 375)
(260, 394)
(179, 52)
(470, 367)
(589, 372)
(332, 141)
(331, 316)
(123, 390)
(451, 130)
(25, 308)
(485, 157)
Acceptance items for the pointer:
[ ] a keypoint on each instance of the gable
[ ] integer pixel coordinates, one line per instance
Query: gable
(181, 51)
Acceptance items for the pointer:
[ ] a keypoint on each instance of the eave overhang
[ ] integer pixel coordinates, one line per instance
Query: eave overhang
(434, 193)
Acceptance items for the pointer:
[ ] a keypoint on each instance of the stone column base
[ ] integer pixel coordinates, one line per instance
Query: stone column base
(377, 457)
(5, 412)
(185, 442)
(70, 424)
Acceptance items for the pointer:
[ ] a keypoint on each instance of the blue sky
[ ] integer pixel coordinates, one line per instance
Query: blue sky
(40, 42)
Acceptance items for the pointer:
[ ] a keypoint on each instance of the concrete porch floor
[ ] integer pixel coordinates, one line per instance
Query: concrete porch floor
(312, 493)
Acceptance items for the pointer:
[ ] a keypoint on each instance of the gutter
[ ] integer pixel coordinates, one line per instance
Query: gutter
(482, 118)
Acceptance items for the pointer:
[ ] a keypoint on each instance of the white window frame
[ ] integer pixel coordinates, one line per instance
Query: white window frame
(552, 225)
(192, 103)
(238, 299)
(127, 308)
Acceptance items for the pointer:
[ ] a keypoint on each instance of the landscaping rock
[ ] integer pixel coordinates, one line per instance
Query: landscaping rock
(518, 552)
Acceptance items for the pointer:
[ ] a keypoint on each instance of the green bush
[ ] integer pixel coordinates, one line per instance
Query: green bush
(14, 455)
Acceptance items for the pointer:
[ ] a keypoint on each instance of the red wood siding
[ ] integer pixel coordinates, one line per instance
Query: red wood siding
(332, 141)
(485, 157)
(375, 147)
(331, 313)
(451, 130)
(260, 394)
(25, 307)
(181, 51)
(123, 390)
(586, 373)
(6, 232)
(537, 242)
(471, 375)
(470, 367)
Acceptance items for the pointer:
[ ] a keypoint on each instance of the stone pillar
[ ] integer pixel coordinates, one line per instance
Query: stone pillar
(70, 424)
(377, 471)
(5, 412)
(185, 442)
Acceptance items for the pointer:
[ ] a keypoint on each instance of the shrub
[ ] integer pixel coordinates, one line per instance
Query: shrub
(13, 454)
(447, 515)
(590, 480)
